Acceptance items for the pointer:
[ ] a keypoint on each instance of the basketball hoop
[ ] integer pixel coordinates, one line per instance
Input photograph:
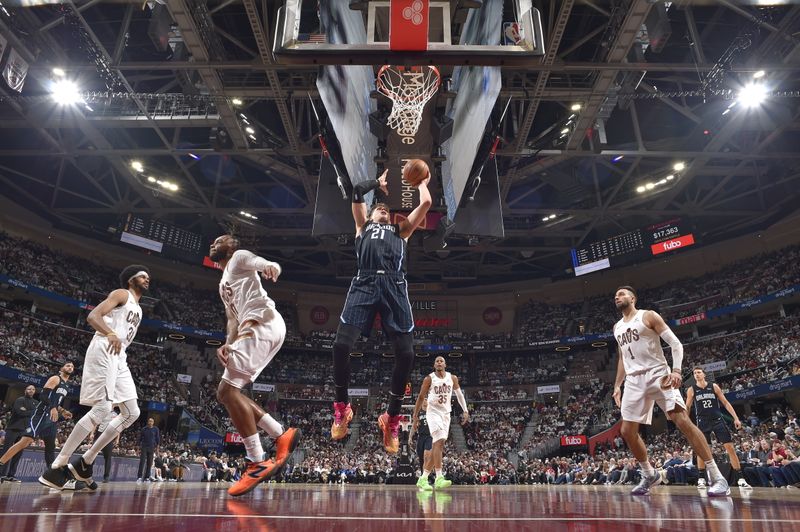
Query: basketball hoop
(409, 88)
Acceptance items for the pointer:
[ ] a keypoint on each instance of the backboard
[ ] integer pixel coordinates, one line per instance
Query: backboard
(299, 41)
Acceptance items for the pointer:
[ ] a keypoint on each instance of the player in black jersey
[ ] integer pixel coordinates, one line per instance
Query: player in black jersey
(379, 288)
(707, 399)
(42, 423)
(424, 445)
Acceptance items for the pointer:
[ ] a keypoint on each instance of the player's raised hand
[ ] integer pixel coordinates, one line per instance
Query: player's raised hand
(424, 182)
(271, 272)
(222, 355)
(384, 184)
(618, 396)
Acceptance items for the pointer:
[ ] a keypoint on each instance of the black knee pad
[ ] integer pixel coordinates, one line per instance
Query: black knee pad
(346, 337)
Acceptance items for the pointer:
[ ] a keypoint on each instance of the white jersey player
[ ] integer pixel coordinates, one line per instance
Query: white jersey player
(106, 378)
(648, 380)
(438, 388)
(255, 333)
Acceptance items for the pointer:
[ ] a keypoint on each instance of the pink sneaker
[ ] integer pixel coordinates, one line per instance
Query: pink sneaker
(342, 415)
(390, 426)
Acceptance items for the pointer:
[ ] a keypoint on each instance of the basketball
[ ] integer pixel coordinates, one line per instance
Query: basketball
(416, 171)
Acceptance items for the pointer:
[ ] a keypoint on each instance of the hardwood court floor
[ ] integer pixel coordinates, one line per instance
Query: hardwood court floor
(308, 507)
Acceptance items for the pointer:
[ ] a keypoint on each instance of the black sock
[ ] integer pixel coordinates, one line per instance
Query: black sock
(341, 394)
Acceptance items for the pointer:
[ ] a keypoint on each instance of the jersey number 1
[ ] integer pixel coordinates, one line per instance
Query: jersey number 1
(631, 353)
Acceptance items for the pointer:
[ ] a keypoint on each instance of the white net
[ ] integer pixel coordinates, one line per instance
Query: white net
(409, 88)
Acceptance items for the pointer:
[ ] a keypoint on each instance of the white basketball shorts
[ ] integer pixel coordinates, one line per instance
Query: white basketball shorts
(106, 377)
(438, 424)
(643, 390)
(255, 346)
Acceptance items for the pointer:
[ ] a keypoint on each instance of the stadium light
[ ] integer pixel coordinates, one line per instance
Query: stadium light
(752, 95)
(759, 74)
(250, 130)
(640, 189)
(575, 107)
(236, 101)
(59, 72)
(138, 166)
(680, 165)
(65, 92)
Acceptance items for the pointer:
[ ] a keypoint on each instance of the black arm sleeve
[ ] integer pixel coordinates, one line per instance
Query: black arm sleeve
(362, 188)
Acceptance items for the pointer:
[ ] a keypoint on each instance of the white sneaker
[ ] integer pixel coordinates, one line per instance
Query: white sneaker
(701, 483)
(743, 484)
(790, 487)
(719, 488)
(138, 481)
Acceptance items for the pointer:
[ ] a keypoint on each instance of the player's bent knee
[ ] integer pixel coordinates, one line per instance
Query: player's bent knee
(99, 412)
(346, 337)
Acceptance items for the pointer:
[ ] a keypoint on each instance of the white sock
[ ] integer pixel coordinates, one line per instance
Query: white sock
(647, 469)
(438, 472)
(425, 473)
(100, 442)
(82, 429)
(269, 424)
(713, 471)
(252, 445)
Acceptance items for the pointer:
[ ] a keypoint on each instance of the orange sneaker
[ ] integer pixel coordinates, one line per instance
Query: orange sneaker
(285, 445)
(390, 426)
(342, 415)
(255, 473)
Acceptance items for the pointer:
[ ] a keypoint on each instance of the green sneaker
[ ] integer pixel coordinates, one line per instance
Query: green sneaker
(441, 483)
(424, 484)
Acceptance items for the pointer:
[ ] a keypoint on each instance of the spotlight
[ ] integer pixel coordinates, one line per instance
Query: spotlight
(575, 107)
(617, 159)
(670, 177)
(151, 179)
(59, 72)
(545, 218)
(250, 130)
(650, 186)
(65, 92)
(565, 131)
(752, 95)
(679, 166)
(759, 74)
(640, 189)
(236, 101)
(194, 156)
(136, 165)
(252, 137)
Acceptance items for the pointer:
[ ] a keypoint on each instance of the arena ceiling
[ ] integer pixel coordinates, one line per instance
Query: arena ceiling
(160, 104)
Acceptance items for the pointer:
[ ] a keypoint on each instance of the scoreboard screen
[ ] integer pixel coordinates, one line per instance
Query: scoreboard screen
(632, 246)
(162, 237)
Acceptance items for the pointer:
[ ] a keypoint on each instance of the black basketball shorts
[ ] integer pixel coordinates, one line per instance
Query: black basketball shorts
(716, 426)
(385, 294)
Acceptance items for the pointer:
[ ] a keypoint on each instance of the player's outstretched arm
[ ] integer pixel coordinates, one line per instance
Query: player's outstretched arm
(244, 260)
(410, 224)
(359, 205)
